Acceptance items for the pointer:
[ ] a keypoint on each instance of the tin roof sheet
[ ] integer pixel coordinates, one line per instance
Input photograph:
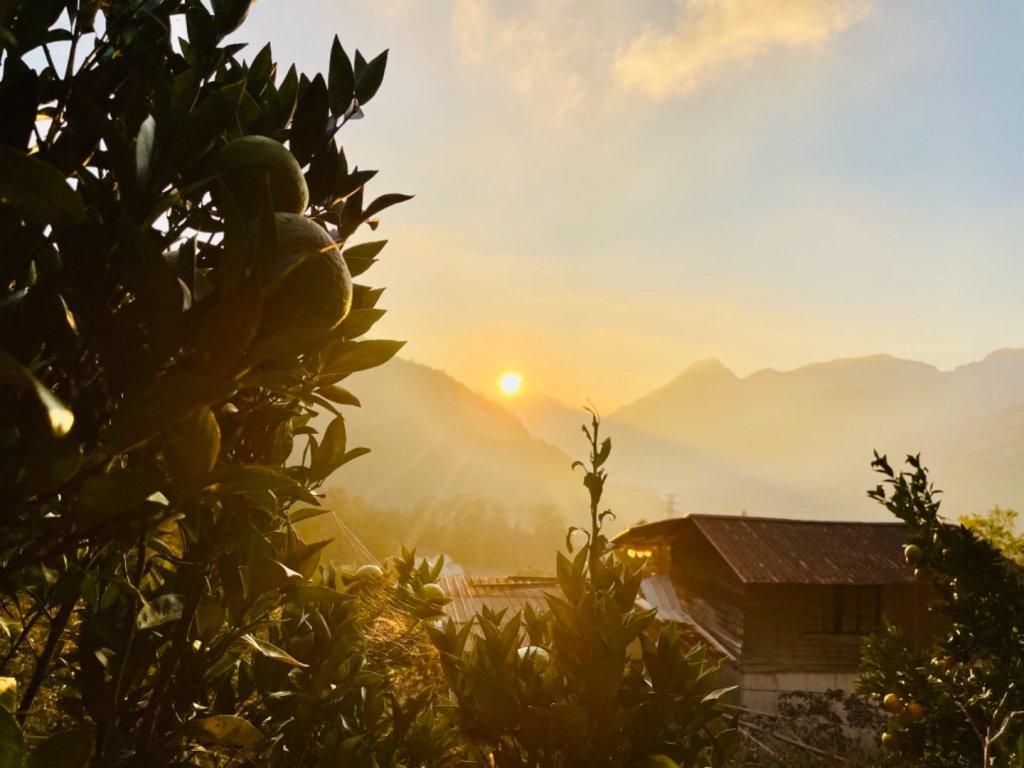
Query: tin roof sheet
(762, 550)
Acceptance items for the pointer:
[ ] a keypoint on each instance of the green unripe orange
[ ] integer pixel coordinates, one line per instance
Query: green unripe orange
(433, 592)
(370, 572)
(892, 703)
(310, 287)
(245, 162)
(659, 761)
(913, 554)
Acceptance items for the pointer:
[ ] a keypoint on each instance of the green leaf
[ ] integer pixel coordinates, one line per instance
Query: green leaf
(248, 479)
(15, 374)
(316, 593)
(12, 745)
(271, 651)
(192, 447)
(104, 497)
(161, 405)
(341, 79)
(19, 99)
(309, 126)
(358, 323)
(199, 130)
(162, 610)
(225, 731)
(144, 143)
(382, 202)
(352, 356)
(306, 513)
(209, 616)
(228, 15)
(369, 79)
(331, 451)
(361, 257)
(37, 190)
(338, 395)
(70, 749)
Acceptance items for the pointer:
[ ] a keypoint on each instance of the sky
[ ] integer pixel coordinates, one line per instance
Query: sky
(608, 191)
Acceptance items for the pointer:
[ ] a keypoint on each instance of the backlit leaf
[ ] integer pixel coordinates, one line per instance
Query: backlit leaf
(37, 190)
(162, 610)
(226, 731)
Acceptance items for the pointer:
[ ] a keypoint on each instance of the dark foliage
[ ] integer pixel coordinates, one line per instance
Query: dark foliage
(166, 329)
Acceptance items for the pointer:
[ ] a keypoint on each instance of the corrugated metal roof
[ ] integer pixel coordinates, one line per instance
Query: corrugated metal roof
(773, 551)
(660, 594)
(469, 594)
(763, 550)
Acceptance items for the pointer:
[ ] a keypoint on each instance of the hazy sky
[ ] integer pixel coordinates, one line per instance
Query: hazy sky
(609, 191)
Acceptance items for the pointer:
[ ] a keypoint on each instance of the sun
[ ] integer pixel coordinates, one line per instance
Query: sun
(510, 383)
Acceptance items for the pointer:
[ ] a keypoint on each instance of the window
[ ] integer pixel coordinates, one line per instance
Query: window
(842, 610)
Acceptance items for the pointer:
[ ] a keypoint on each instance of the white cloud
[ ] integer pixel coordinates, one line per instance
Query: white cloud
(711, 35)
(537, 51)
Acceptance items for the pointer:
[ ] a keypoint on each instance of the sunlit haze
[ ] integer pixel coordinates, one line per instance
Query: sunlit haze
(609, 191)
(510, 383)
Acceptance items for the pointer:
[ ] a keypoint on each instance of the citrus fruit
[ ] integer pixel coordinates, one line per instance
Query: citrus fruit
(434, 593)
(892, 703)
(370, 572)
(310, 287)
(245, 161)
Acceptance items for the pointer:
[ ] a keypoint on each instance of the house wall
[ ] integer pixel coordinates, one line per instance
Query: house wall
(775, 641)
(778, 655)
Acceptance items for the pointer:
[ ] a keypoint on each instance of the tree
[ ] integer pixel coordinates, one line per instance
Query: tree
(960, 703)
(173, 305)
(998, 526)
(561, 688)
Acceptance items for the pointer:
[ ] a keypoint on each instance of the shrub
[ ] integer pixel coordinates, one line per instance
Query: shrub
(561, 687)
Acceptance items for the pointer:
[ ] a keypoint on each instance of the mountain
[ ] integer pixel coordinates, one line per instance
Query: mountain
(780, 443)
(808, 434)
(432, 439)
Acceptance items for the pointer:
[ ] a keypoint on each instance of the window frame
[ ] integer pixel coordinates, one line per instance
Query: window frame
(843, 609)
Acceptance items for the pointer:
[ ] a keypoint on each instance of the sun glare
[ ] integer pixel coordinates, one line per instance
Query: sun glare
(510, 383)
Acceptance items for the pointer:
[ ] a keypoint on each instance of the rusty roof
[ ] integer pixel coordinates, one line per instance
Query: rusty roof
(469, 594)
(762, 550)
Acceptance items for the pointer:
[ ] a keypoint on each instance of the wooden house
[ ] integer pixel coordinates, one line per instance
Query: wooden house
(789, 600)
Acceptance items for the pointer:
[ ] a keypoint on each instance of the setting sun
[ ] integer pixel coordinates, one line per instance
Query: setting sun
(510, 383)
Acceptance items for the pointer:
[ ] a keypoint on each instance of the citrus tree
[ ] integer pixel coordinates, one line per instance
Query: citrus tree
(584, 683)
(177, 296)
(961, 702)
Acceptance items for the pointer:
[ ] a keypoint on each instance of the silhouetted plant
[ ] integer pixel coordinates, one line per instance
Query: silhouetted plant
(582, 683)
(960, 702)
(173, 306)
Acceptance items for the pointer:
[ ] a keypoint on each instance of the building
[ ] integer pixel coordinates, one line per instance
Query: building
(470, 594)
(789, 601)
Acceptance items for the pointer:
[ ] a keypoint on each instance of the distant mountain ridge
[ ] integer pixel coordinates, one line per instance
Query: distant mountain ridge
(799, 443)
(792, 443)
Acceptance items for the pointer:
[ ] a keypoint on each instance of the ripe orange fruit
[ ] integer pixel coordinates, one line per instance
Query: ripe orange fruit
(243, 163)
(311, 287)
(916, 711)
(892, 703)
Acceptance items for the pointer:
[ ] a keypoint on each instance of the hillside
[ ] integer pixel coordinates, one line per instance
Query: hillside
(433, 439)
